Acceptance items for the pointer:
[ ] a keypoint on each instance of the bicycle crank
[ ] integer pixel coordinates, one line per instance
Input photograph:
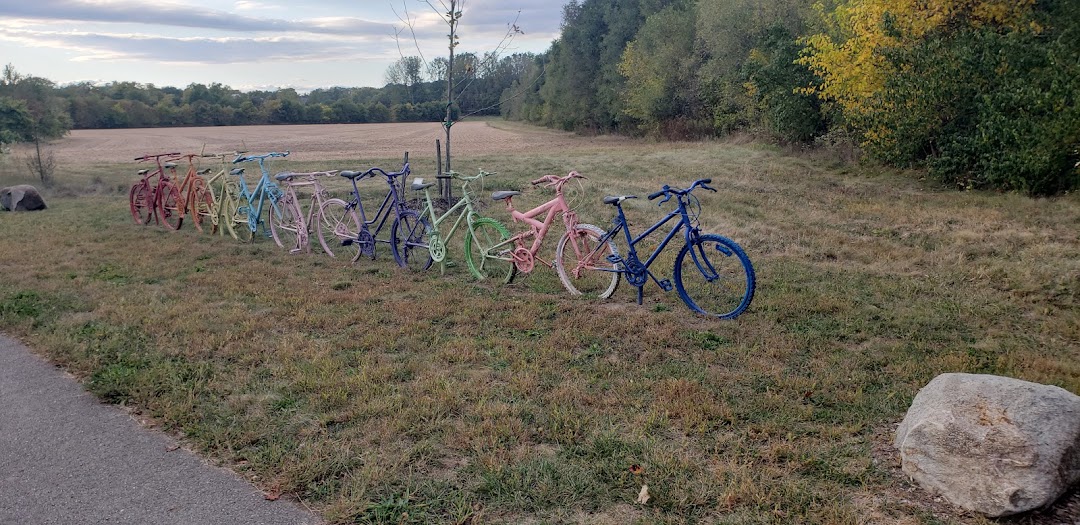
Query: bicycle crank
(437, 248)
(636, 273)
(523, 259)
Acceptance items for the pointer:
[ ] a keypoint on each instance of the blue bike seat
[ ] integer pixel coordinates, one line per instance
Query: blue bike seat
(612, 200)
(500, 195)
(419, 184)
(285, 175)
(351, 174)
(237, 171)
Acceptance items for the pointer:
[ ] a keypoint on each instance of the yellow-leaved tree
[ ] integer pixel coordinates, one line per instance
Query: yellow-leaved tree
(851, 58)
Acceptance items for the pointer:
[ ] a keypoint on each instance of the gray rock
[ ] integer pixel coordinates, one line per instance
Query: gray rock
(993, 445)
(21, 198)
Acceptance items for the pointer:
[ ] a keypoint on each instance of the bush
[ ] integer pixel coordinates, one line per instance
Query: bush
(986, 108)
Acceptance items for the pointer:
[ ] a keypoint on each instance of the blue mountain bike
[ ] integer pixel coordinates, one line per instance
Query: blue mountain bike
(713, 275)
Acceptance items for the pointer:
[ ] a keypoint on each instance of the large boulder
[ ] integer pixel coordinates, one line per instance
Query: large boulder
(21, 198)
(993, 445)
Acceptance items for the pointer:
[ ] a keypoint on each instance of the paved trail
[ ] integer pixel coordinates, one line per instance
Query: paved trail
(67, 459)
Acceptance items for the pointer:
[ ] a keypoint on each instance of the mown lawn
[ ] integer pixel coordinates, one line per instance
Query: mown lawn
(376, 395)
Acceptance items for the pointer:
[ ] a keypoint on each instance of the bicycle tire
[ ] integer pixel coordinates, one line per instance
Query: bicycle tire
(338, 222)
(227, 216)
(724, 296)
(600, 277)
(238, 216)
(141, 200)
(485, 233)
(286, 224)
(202, 208)
(170, 205)
(409, 241)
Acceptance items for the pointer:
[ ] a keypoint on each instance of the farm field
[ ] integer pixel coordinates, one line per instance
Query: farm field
(378, 395)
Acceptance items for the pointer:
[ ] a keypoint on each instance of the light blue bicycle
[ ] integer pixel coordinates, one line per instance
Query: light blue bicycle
(248, 209)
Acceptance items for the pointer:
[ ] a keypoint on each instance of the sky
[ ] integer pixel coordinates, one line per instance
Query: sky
(255, 44)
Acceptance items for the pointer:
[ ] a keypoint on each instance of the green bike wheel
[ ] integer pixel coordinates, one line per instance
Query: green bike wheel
(487, 253)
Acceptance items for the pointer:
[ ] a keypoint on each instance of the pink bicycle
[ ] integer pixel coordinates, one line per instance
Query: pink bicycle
(521, 249)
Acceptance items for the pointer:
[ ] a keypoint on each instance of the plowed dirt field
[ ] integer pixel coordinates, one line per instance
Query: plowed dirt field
(320, 142)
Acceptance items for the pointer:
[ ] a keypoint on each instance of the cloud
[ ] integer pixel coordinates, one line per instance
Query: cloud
(89, 46)
(180, 15)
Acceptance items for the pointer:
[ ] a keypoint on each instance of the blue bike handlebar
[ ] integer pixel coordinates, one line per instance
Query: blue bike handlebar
(251, 158)
(668, 190)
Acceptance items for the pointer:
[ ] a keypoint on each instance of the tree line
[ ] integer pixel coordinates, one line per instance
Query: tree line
(981, 93)
(412, 94)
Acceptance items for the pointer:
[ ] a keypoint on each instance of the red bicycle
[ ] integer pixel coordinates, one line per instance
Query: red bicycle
(161, 199)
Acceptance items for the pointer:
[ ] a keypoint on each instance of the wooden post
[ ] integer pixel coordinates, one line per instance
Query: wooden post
(439, 174)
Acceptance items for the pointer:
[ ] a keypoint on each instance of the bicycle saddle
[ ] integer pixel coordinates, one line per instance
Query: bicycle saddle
(500, 195)
(612, 200)
(351, 174)
(143, 172)
(205, 171)
(285, 175)
(419, 184)
(169, 165)
(237, 171)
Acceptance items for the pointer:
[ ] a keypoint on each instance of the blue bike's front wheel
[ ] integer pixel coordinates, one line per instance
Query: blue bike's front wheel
(714, 277)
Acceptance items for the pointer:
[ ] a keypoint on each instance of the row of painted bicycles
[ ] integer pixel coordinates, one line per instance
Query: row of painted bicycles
(712, 274)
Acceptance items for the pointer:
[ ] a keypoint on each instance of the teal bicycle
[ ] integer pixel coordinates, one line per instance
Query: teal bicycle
(247, 212)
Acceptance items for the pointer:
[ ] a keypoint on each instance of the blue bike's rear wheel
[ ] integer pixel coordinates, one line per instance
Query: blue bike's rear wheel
(714, 277)
(409, 234)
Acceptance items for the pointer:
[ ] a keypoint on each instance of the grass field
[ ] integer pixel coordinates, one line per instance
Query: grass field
(376, 395)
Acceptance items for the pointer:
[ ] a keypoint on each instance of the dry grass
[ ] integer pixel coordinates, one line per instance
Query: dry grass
(380, 396)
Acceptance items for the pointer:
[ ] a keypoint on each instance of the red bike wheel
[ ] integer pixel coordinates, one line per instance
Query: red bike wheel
(170, 206)
(141, 201)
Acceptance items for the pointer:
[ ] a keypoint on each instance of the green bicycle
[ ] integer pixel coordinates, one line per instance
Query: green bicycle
(482, 232)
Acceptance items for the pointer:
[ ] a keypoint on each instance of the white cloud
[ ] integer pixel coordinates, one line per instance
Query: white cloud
(206, 50)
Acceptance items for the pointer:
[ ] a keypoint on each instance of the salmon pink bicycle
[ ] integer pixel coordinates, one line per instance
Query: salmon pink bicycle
(522, 248)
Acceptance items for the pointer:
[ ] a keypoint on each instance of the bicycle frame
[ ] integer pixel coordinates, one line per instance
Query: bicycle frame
(265, 190)
(222, 194)
(524, 258)
(392, 202)
(621, 225)
(464, 209)
(293, 181)
(153, 187)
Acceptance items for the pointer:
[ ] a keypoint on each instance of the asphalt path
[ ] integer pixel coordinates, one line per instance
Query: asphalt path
(65, 458)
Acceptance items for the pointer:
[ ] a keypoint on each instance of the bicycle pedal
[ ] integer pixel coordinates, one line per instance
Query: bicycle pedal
(614, 259)
(665, 284)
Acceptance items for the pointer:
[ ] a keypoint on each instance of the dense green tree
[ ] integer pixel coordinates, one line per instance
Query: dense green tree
(16, 123)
